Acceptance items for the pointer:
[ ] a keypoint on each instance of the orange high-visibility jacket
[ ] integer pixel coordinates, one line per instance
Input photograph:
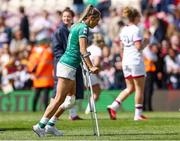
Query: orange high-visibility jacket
(149, 65)
(41, 66)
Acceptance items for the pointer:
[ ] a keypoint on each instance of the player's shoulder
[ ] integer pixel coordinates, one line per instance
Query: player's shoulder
(83, 26)
(79, 25)
(124, 31)
(135, 28)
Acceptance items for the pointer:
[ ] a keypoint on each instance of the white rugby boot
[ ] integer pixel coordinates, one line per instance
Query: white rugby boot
(53, 130)
(38, 130)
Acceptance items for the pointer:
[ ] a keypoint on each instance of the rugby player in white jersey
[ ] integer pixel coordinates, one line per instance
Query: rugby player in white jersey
(133, 64)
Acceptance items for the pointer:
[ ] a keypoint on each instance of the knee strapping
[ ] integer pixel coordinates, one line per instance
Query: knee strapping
(68, 102)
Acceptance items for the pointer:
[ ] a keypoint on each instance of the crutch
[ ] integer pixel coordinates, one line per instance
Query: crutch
(91, 98)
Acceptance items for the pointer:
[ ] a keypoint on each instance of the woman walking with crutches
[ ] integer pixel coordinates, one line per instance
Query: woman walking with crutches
(66, 67)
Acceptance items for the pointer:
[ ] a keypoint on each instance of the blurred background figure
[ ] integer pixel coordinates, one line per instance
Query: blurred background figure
(103, 6)
(58, 19)
(107, 73)
(172, 64)
(119, 82)
(96, 55)
(150, 59)
(19, 42)
(5, 32)
(175, 42)
(41, 67)
(24, 23)
(42, 26)
(78, 6)
(7, 68)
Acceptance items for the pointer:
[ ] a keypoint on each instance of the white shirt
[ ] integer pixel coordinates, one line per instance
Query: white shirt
(95, 52)
(172, 64)
(149, 54)
(131, 55)
(43, 27)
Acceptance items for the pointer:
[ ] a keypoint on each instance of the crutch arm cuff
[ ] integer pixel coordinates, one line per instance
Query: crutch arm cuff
(87, 54)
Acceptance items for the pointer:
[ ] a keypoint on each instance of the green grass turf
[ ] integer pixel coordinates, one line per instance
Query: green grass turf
(160, 126)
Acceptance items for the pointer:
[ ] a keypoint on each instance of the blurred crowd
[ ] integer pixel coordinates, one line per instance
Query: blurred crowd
(26, 51)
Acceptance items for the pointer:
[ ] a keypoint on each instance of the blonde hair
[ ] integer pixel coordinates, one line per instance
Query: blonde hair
(98, 38)
(130, 13)
(89, 11)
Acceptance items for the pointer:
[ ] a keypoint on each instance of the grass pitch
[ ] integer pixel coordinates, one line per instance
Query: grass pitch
(160, 126)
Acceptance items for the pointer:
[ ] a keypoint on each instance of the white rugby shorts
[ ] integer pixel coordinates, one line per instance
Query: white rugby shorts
(65, 71)
(134, 71)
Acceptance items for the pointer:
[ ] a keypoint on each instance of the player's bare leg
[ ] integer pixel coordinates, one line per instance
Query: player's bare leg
(68, 103)
(96, 90)
(62, 90)
(122, 96)
(139, 96)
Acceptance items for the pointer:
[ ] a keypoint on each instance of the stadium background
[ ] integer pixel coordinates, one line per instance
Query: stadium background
(166, 10)
(16, 118)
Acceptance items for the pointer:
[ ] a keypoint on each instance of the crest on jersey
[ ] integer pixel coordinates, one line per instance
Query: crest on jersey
(85, 31)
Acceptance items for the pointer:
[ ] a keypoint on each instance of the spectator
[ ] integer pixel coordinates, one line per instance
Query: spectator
(160, 76)
(115, 22)
(96, 55)
(18, 43)
(107, 74)
(150, 58)
(24, 23)
(42, 27)
(175, 42)
(7, 68)
(5, 32)
(78, 6)
(119, 82)
(157, 28)
(58, 19)
(41, 66)
(172, 64)
(103, 7)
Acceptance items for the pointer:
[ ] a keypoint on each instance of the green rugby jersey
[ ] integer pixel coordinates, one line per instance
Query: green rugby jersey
(72, 57)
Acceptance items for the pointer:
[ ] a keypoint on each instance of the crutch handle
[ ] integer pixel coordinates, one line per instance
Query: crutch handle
(94, 69)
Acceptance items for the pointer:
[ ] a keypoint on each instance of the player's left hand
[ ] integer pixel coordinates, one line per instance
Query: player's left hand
(94, 69)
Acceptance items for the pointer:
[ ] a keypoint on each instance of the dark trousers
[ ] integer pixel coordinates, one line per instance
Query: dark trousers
(37, 95)
(148, 91)
(119, 80)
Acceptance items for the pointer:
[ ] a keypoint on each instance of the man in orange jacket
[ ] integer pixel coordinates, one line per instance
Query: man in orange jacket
(150, 58)
(41, 66)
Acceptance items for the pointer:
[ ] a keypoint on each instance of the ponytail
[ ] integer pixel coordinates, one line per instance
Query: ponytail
(89, 11)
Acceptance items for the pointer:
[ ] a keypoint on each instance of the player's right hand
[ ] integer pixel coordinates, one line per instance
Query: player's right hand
(94, 70)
